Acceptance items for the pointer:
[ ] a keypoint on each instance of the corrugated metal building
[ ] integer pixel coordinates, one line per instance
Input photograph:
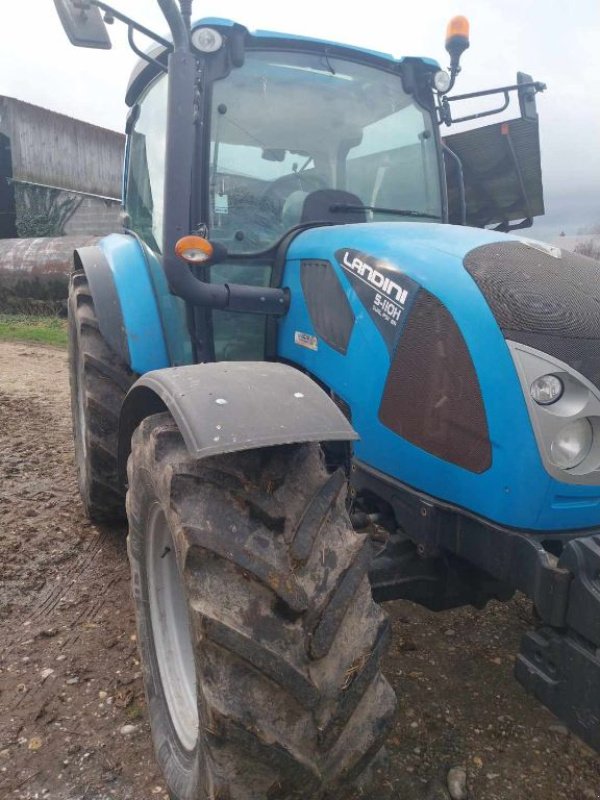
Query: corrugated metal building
(58, 175)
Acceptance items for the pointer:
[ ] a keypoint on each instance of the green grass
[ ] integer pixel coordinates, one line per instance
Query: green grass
(40, 330)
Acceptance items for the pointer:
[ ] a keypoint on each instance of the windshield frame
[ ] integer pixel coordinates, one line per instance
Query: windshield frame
(200, 212)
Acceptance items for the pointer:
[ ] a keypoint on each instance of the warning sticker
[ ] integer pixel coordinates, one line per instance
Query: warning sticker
(306, 340)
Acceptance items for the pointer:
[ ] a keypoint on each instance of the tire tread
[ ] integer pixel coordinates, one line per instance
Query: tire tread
(309, 646)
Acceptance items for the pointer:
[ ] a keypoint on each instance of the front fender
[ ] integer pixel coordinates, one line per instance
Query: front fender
(228, 406)
(138, 317)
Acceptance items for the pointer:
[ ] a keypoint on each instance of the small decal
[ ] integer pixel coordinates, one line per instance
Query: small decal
(306, 340)
(386, 293)
(221, 204)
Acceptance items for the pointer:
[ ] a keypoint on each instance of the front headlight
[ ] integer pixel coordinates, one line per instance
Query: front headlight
(564, 408)
(207, 40)
(441, 81)
(572, 444)
(547, 389)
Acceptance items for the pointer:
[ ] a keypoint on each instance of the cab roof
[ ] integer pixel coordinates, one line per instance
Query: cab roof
(217, 22)
(144, 72)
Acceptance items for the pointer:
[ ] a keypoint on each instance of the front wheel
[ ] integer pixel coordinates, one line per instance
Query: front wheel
(260, 641)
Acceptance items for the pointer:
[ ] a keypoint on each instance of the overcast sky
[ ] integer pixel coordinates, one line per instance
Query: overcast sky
(556, 42)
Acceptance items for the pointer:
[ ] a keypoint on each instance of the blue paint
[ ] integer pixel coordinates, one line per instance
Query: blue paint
(516, 490)
(139, 309)
(172, 313)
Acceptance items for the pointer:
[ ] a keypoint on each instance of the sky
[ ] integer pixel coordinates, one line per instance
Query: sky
(556, 42)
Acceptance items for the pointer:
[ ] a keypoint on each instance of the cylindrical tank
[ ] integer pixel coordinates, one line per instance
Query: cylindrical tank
(34, 273)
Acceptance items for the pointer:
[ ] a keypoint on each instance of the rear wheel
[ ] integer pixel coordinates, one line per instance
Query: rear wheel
(99, 382)
(259, 638)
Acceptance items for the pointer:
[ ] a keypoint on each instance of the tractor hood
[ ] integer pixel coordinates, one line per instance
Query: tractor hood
(399, 243)
(539, 295)
(412, 254)
(411, 324)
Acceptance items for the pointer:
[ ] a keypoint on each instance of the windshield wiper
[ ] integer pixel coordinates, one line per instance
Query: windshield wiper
(400, 212)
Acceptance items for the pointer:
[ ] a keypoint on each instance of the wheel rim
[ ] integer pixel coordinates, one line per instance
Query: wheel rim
(171, 630)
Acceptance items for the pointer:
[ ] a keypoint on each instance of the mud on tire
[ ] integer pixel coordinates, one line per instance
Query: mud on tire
(99, 382)
(285, 639)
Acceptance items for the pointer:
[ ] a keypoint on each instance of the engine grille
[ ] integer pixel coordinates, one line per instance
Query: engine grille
(327, 304)
(432, 396)
(552, 304)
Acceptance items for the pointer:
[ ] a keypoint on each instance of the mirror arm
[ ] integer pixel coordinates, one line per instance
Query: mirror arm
(176, 22)
(445, 115)
(141, 54)
(186, 12)
(131, 23)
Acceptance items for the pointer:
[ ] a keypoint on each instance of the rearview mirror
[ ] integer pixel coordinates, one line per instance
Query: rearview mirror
(83, 24)
(526, 96)
(273, 154)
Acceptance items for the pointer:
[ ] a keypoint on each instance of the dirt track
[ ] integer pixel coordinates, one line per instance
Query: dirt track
(69, 675)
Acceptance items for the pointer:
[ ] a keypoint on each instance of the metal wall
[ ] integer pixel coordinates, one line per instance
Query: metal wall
(55, 150)
(58, 176)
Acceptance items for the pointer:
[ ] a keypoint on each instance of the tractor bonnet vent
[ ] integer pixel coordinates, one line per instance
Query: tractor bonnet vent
(543, 297)
(327, 304)
(432, 396)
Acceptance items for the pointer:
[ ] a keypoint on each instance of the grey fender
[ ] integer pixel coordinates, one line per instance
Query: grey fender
(234, 405)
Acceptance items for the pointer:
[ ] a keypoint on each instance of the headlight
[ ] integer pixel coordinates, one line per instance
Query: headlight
(207, 40)
(547, 389)
(564, 407)
(572, 444)
(441, 81)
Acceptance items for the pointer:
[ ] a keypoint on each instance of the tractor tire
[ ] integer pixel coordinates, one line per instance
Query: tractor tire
(99, 382)
(259, 638)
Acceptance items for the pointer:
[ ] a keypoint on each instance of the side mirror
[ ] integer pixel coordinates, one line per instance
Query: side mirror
(83, 24)
(527, 94)
(457, 41)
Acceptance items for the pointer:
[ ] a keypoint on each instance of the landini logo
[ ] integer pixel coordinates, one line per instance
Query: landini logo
(384, 290)
(374, 277)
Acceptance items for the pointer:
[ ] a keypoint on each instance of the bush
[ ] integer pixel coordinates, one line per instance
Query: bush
(589, 248)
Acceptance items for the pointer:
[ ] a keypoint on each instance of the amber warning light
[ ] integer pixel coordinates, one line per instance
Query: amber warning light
(194, 249)
(458, 26)
(457, 41)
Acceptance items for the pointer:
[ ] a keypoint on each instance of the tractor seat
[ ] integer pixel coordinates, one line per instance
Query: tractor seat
(317, 207)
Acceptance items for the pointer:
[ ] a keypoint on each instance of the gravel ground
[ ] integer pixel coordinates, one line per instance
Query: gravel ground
(73, 724)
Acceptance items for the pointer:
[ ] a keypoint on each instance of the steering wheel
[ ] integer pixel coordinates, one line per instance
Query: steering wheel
(276, 193)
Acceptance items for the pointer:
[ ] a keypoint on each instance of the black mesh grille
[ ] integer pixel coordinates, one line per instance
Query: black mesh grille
(552, 304)
(327, 304)
(432, 396)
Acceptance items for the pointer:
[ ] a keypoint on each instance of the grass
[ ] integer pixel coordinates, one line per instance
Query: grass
(39, 330)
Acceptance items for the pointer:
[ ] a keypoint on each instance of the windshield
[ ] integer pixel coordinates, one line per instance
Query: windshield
(287, 125)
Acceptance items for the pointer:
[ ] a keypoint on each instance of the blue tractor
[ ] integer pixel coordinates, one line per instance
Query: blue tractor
(317, 371)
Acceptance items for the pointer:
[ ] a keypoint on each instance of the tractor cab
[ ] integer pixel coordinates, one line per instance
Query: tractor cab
(294, 135)
(288, 134)
(292, 131)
